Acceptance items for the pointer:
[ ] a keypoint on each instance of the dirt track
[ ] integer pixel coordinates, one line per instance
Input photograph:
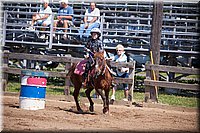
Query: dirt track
(59, 116)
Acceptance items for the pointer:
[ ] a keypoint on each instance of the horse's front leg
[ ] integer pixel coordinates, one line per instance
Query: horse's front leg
(87, 92)
(105, 109)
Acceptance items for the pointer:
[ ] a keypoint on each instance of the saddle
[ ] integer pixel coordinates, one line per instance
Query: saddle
(89, 78)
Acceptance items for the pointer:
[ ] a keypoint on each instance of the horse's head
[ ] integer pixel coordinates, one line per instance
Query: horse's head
(100, 63)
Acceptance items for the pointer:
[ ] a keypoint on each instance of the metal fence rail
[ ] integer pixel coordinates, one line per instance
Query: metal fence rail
(130, 18)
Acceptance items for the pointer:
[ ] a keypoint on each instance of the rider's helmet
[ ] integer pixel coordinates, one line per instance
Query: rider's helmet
(96, 30)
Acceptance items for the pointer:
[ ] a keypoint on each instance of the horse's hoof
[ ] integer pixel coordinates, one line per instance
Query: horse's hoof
(105, 111)
(112, 101)
(80, 111)
(91, 108)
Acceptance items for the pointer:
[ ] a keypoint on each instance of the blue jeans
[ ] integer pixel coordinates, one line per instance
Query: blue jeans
(125, 75)
(87, 32)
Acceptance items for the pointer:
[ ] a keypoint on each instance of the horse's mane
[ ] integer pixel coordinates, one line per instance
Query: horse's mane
(99, 54)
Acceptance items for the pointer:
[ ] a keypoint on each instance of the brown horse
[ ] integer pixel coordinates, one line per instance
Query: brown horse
(100, 80)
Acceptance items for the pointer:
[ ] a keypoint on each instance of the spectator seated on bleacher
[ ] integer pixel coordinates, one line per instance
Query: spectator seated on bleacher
(64, 17)
(43, 18)
(91, 20)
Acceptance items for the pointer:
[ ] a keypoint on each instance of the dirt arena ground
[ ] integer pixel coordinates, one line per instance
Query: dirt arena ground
(60, 115)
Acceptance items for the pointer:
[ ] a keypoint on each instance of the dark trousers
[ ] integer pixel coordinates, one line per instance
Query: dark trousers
(88, 67)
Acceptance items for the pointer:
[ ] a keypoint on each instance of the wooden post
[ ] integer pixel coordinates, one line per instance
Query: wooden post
(147, 88)
(67, 81)
(5, 75)
(172, 61)
(155, 40)
(132, 76)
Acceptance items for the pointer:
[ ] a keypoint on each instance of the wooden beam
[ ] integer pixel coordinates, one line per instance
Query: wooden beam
(163, 68)
(57, 59)
(58, 74)
(194, 87)
(39, 57)
(120, 64)
(18, 72)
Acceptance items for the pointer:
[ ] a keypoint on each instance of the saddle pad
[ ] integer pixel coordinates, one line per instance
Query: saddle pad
(80, 67)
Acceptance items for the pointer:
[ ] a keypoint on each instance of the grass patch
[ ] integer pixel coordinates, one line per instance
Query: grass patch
(179, 100)
(138, 96)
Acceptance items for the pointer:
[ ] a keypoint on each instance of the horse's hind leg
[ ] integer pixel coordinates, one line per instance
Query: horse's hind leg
(87, 92)
(75, 94)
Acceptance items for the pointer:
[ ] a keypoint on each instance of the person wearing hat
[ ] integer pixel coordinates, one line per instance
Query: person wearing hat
(91, 20)
(42, 18)
(93, 45)
(64, 17)
(123, 72)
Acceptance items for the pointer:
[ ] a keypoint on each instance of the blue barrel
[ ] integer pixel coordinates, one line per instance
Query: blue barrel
(32, 93)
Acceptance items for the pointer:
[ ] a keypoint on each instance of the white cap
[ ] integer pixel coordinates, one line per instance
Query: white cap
(45, 1)
(64, 1)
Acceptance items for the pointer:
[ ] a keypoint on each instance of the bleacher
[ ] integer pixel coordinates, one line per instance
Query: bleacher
(125, 22)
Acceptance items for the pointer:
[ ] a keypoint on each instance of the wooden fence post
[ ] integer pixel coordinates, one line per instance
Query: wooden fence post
(147, 88)
(5, 75)
(156, 32)
(132, 76)
(67, 81)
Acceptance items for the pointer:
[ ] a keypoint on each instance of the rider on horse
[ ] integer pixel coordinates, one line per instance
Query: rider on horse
(93, 45)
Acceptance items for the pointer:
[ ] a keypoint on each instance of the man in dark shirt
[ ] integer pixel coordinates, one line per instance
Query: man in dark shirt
(64, 17)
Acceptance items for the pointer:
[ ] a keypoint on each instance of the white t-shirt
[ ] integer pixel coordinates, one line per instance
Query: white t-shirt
(91, 14)
(43, 11)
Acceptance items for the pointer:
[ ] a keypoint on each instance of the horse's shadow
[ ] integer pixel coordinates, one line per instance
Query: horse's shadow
(72, 110)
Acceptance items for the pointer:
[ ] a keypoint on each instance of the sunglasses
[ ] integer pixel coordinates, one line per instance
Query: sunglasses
(118, 50)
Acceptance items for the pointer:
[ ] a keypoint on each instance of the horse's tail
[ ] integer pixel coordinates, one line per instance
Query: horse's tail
(71, 69)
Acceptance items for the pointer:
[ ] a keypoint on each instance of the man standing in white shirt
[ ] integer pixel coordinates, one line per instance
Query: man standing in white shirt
(91, 20)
